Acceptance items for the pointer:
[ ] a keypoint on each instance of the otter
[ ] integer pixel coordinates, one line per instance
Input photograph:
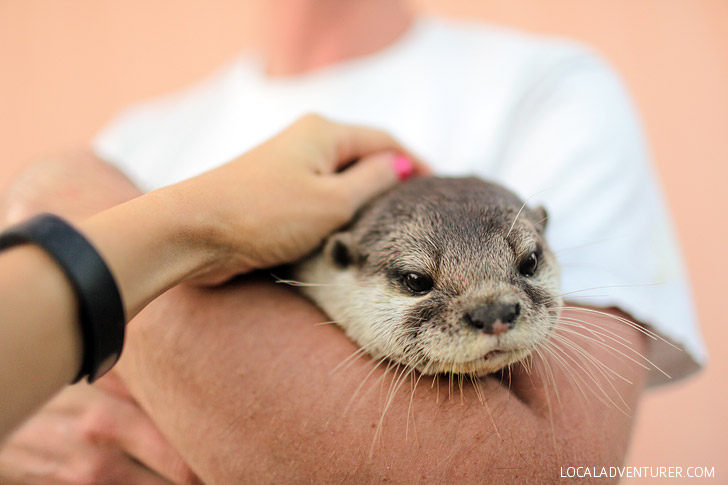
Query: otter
(444, 275)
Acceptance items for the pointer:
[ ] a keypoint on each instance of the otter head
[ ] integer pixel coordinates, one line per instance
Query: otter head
(444, 275)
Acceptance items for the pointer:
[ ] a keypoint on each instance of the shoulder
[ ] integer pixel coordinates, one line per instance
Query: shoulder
(507, 55)
(503, 87)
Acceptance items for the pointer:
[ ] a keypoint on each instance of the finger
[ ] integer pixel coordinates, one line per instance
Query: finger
(126, 470)
(354, 142)
(343, 143)
(140, 438)
(373, 175)
(21, 465)
(112, 383)
(351, 142)
(107, 466)
(44, 435)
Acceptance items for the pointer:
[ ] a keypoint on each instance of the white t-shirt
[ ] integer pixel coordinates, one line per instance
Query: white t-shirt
(545, 117)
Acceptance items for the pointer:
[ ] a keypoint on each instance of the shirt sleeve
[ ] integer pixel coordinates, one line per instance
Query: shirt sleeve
(576, 147)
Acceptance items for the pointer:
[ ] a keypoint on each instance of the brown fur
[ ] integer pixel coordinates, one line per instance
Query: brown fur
(470, 237)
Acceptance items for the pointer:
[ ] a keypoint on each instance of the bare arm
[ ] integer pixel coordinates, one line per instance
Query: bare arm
(240, 380)
(204, 229)
(87, 433)
(40, 340)
(246, 389)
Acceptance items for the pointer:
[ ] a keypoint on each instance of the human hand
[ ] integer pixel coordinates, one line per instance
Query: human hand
(276, 203)
(91, 434)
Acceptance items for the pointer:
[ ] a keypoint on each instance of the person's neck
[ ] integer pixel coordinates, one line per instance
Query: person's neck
(304, 35)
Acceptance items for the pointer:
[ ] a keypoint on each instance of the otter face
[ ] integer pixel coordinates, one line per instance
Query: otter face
(444, 275)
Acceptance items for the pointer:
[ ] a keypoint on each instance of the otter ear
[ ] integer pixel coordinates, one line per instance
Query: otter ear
(340, 249)
(542, 218)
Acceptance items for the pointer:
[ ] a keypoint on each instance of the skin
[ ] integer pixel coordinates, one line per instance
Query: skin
(247, 365)
(248, 368)
(87, 433)
(279, 410)
(299, 36)
(197, 231)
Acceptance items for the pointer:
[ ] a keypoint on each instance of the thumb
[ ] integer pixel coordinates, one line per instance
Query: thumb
(374, 174)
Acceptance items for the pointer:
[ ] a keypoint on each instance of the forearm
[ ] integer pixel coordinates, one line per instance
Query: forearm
(150, 244)
(40, 339)
(43, 343)
(247, 392)
(207, 229)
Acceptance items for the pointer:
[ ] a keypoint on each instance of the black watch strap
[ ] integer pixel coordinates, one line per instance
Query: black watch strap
(100, 309)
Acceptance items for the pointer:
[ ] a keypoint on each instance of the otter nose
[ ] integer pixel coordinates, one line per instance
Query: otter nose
(494, 319)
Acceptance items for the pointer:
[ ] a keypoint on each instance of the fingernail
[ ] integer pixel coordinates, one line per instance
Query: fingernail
(403, 167)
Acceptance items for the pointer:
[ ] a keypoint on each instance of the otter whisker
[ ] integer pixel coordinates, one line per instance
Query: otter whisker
(549, 406)
(601, 334)
(596, 295)
(624, 344)
(636, 326)
(483, 401)
(410, 409)
(390, 365)
(597, 331)
(451, 378)
(576, 379)
(529, 366)
(507, 368)
(643, 285)
(597, 365)
(395, 386)
(579, 382)
(377, 430)
(330, 322)
(307, 284)
(569, 322)
(515, 219)
(354, 355)
(436, 381)
(547, 365)
(581, 246)
(361, 384)
(300, 283)
(590, 361)
(593, 360)
(600, 366)
(477, 389)
(608, 375)
(510, 376)
(460, 384)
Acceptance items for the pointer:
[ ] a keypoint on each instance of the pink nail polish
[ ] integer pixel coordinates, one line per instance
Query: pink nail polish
(403, 167)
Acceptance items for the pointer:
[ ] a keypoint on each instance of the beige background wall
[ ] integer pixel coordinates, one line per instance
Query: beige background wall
(67, 66)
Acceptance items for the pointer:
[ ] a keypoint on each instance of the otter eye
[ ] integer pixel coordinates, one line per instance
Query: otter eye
(418, 283)
(529, 265)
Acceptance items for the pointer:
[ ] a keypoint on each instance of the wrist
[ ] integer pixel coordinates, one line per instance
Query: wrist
(220, 239)
(158, 250)
(193, 231)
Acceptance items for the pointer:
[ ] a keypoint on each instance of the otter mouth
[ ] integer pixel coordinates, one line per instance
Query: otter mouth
(491, 361)
(494, 353)
(495, 360)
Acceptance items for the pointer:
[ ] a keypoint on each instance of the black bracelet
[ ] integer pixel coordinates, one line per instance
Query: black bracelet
(100, 309)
